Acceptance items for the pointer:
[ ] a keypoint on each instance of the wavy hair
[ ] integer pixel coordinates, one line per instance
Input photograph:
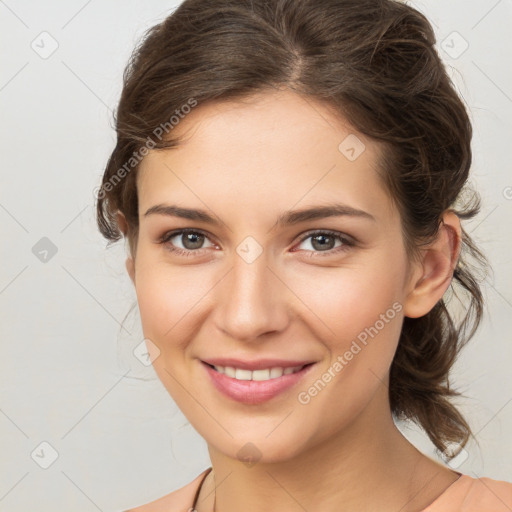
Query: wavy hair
(373, 62)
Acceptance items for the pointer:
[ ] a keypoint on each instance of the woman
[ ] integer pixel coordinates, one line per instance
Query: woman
(289, 176)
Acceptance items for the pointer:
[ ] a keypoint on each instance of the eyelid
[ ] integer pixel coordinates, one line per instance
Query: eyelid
(348, 242)
(163, 239)
(337, 234)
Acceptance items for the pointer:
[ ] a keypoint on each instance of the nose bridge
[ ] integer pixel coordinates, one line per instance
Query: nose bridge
(252, 299)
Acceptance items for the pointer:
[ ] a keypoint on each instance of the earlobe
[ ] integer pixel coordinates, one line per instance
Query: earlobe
(123, 226)
(121, 222)
(438, 264)
(130, 267)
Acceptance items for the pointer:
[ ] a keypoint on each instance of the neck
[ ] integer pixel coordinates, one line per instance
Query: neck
(368, 465)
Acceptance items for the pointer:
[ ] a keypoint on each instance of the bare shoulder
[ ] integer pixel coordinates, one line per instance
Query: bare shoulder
(180, 500)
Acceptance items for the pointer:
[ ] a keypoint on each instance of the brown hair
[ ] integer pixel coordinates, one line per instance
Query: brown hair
(372, 61)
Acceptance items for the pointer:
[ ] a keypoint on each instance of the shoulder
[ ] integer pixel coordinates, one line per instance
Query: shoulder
(180, 500)
(495, 495)
(470, 494)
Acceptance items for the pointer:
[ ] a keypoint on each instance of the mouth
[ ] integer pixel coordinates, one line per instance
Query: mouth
(260, 375)
(255, 386)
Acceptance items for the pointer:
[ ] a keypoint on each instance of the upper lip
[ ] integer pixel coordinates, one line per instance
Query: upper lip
(258, 364)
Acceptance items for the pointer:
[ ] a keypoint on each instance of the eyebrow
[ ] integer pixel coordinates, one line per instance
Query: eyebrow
(286, 219)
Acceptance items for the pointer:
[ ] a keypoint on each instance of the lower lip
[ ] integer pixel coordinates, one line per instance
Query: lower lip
(254, 391)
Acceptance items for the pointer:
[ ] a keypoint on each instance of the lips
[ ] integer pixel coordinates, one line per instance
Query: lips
(259, 390)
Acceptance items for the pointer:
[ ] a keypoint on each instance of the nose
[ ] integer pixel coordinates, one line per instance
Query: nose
(252, 301)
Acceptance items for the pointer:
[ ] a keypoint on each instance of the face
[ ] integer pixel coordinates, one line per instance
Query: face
(323, 290)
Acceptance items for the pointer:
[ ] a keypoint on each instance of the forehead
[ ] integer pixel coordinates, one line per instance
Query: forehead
(272, 150)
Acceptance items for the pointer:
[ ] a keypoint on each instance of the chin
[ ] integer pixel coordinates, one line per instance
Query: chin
(259, 449)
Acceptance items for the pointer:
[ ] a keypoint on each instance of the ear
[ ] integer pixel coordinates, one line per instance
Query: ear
(435, 271)
(123, 226)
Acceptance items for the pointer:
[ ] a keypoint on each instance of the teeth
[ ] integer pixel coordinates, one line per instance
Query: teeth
(259, 375)
(228, 370)
(276, 372)
(243, 374)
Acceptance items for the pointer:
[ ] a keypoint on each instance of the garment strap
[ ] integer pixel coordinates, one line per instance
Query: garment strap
(208, 471)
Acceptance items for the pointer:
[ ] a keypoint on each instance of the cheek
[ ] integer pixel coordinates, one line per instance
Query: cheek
(349, 299)
(166, 303)
(366, 332)
(361, 318)
(166, 299)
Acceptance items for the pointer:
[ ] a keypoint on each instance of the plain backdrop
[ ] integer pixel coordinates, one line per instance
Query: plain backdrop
(84, 424)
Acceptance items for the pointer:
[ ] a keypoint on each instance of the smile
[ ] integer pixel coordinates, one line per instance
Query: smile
(259, 375)
(255, 386)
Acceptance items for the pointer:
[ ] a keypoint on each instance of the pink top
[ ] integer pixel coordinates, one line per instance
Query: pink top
(466, 494)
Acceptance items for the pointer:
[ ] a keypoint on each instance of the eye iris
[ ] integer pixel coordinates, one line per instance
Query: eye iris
(323, 245)
(196, 239)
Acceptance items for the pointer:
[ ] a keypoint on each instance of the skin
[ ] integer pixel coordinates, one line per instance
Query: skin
(246, 163)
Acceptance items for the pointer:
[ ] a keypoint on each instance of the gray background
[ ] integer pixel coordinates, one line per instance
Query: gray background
(69, 377)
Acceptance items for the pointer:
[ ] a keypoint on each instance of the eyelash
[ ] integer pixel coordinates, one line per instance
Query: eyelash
(347, 242)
